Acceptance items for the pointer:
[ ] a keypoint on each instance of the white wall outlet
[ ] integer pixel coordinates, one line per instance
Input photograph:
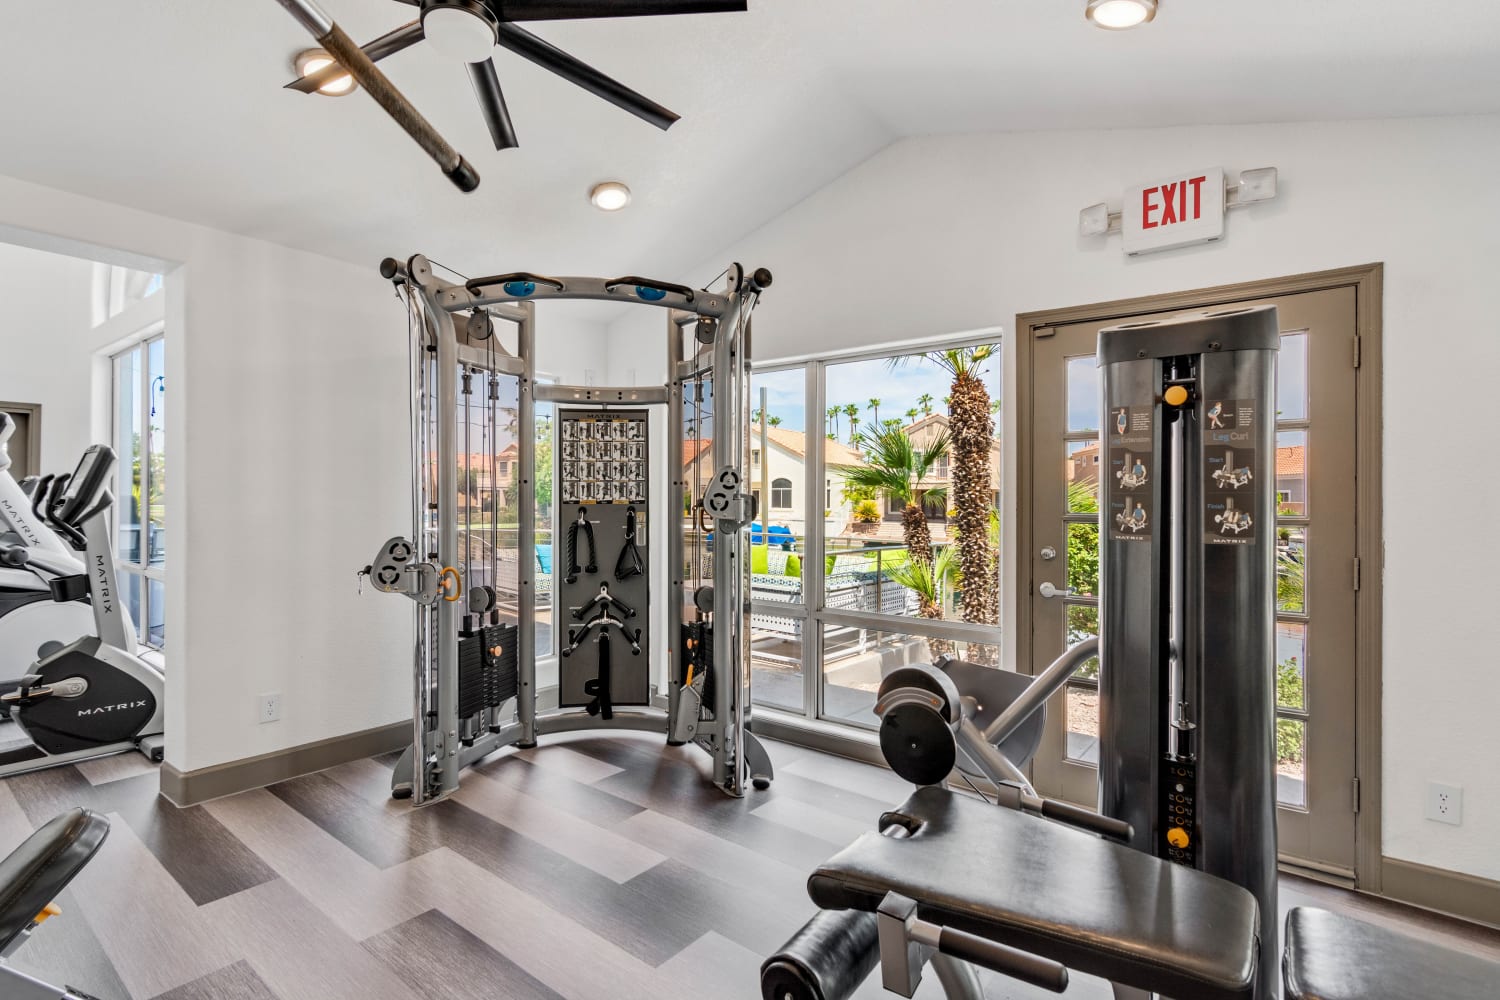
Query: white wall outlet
(269, 708)
(590, 377)
(1445, 803)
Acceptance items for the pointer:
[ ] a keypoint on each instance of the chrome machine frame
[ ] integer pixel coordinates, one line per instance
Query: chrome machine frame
(443, 743)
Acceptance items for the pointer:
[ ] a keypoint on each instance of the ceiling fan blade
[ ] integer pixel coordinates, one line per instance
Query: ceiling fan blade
(387, 44)
(492, 102)
(539, 10)
(548, 56)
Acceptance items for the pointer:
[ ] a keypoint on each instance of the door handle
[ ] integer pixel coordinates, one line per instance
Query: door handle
(1047, 589)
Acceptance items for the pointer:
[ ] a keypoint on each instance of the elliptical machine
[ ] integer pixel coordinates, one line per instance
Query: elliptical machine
(92, 696)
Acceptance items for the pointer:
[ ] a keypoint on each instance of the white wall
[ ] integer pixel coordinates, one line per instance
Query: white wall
(288, 449)
(952, 233)
(46, 342)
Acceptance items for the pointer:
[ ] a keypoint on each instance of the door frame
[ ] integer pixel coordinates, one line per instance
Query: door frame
(33, 413)
(1367, 281)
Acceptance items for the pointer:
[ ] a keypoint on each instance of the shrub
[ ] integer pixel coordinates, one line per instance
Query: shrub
(867, 512)
(1289, 692)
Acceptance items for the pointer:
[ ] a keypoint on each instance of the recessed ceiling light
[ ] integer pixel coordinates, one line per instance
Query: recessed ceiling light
(312, 60)
(610, 196)
(1118, 15)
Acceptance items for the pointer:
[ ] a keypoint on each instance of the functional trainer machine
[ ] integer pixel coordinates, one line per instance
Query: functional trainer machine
(1171, 888)
(476, 688)
(84, 692)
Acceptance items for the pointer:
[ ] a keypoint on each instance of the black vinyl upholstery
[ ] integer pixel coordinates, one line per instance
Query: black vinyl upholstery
(1333, 957)
(33, 874)
(827, 959)
(1095, 906)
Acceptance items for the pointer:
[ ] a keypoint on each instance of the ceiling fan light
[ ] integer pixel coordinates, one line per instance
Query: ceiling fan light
(462, 31)
(312, 60)
(610, 196)
(1118, 15)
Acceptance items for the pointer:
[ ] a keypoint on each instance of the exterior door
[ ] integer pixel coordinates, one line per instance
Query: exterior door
(1317, 570)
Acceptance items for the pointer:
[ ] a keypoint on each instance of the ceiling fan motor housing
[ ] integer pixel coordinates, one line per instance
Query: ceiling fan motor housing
(464, 30)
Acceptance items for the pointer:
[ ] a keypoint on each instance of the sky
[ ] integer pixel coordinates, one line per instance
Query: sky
(897, 387)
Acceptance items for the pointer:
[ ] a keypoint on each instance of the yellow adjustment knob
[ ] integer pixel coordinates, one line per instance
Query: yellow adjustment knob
(1177, 837)
(51, 910)
(1175, 395)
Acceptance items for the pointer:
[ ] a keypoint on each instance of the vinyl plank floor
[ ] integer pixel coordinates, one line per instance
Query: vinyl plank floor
(103, 770)
(235, 982)
(438, 957)
(595, 847)
(593, 867)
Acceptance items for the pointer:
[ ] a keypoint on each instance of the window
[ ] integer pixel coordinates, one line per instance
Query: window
(755, 456)
(781, 494)
(855, 603)
(139, 413)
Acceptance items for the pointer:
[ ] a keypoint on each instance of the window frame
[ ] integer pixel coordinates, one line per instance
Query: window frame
(156, 333)
(777, 490)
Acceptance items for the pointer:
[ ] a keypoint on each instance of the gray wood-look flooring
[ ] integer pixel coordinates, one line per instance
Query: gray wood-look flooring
(591, 867)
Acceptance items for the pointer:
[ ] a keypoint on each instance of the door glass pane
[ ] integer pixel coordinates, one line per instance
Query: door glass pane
(156, 374)
(1291, 378)
(127, 445)
(1291, 762)
(1291, 665)
(855, 659)
(1083, 558)
(546, 551)
(155, 631)
(1083, 697)
(1291, 568)
(779, 437)
(1082, 477)
(1083, 394)
(1291, 473)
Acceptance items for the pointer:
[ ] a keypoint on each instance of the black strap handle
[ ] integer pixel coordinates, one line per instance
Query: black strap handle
(1003, 959)
(630, 562)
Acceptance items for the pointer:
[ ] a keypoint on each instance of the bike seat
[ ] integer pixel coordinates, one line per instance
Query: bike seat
(35, 873)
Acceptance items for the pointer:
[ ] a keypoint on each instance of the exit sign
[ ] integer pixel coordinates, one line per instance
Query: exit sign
(1176, 212)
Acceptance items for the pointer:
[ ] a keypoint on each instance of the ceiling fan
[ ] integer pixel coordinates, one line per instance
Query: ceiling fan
(467, 31)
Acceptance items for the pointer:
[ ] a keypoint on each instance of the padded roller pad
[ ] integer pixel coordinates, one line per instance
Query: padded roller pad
(827, 959)
(35, 873)
(1333, 957)
(1093, 905)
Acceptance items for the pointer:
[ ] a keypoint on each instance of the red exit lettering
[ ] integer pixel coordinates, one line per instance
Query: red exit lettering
(1166, 204)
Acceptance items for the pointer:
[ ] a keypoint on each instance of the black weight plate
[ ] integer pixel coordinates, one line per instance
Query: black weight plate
(918, 744)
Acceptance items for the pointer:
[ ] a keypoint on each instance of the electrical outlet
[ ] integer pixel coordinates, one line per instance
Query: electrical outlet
(269, 709)
(1445, 803)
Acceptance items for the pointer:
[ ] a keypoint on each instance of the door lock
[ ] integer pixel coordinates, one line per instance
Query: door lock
(1048, 553)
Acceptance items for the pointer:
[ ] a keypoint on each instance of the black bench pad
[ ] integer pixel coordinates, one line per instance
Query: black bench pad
(1095, 906)
(1333, 957)
(33, 874)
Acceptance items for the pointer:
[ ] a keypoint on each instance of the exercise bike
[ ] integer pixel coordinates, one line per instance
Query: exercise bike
(92, 696)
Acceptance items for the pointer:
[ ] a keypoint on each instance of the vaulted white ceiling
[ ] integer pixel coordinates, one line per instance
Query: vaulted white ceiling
(176, 106)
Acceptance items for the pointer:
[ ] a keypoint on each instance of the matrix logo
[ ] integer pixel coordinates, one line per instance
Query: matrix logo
(19, 522)
(101, 586)
(103, 709)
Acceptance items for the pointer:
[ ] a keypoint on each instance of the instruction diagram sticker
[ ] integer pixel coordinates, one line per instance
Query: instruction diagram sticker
(1229, 471)
(1130, 513)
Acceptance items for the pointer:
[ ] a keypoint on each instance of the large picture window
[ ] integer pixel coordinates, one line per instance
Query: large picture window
(139, 441)
(906, 469)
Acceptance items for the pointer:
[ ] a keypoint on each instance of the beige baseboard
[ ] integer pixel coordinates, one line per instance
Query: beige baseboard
(1467, 896)
(187, 788)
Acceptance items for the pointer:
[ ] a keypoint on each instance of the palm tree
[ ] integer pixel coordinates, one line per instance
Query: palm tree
(774, 421)
(973, 430)
(925, 401)
(911, 415)
(927, 581)
(854, 431)
(833, 415)
(875, 405)
(893, 467)
(852, 412)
